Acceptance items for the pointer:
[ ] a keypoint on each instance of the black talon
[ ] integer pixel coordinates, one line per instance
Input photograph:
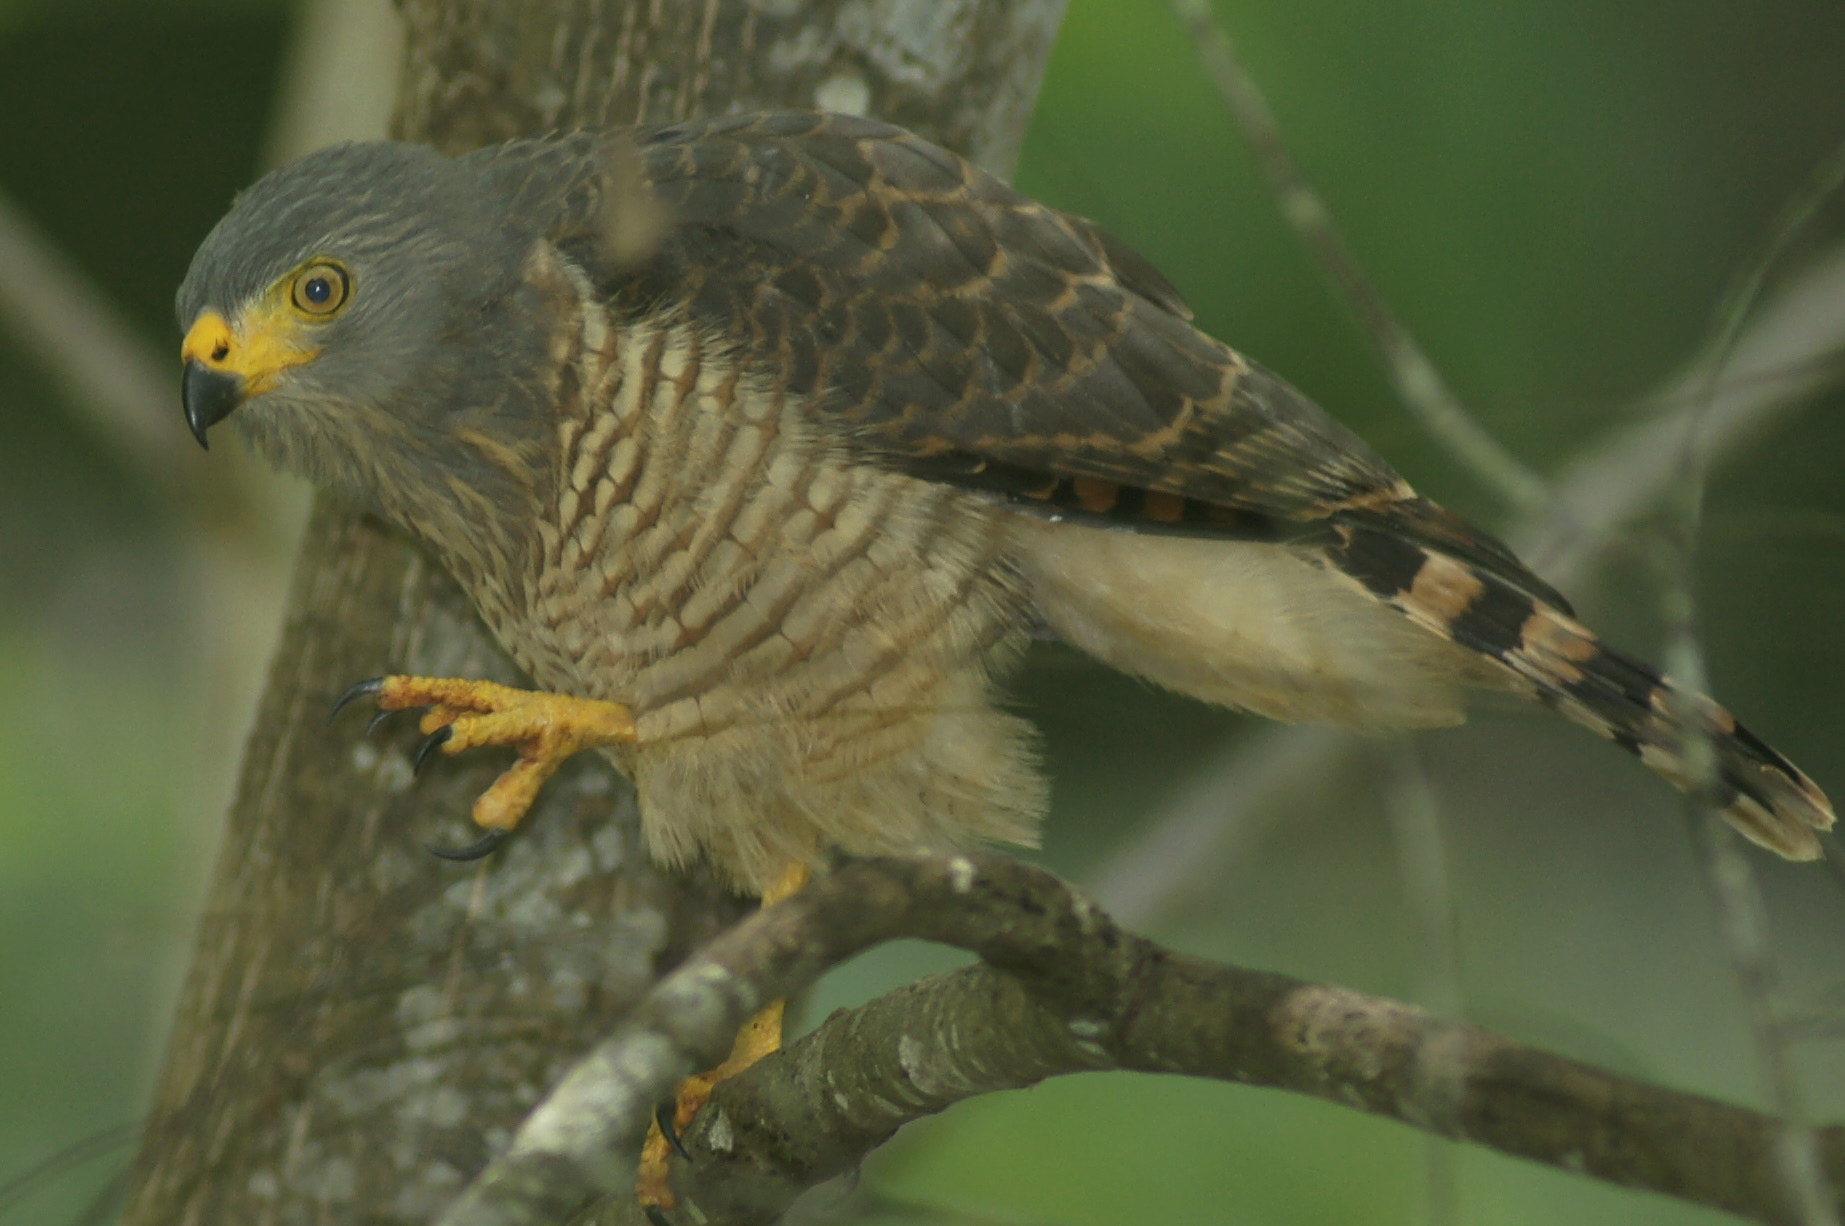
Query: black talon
(371, 687)
(663, 1116)
(481, 848)
(377, 718)
(439, 737)
(657, 1216)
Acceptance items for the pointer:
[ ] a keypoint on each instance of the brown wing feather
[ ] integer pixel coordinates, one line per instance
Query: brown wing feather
(968, 334)
(957, 330)
(953, 322)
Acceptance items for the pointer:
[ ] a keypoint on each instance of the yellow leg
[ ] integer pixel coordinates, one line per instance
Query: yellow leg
(792, 881)
(759, 1036)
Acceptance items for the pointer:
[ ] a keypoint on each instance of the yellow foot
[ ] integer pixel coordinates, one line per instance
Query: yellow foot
(545, 729)
(760, 1036)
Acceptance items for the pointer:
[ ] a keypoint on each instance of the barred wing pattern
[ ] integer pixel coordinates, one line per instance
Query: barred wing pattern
(953, 329)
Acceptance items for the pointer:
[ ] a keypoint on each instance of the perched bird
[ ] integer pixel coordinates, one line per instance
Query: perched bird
(765, 443)
(783, 431)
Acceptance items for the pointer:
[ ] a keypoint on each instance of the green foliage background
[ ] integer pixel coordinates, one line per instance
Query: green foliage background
(1553, 193)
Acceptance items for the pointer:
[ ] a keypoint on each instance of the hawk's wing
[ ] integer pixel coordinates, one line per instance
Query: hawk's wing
(956, 330)
(954, 320)
(965, 333)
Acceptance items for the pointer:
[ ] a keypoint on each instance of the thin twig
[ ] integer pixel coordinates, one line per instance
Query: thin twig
(1742, 916)
(1418, 383)
(97, 1144)
(1428, 892)
(124, 393)
(1179, 856)
(1786, 356)
(1796, 214)
(1741, 913)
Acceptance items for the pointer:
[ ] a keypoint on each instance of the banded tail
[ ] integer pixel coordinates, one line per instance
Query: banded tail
(1400, 555)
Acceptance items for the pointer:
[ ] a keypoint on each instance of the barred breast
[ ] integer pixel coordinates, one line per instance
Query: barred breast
(807, 643)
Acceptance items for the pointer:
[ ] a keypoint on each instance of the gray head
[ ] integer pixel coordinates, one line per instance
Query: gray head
(332, 310)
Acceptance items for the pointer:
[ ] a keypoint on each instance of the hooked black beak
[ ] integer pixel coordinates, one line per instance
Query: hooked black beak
(209, 395)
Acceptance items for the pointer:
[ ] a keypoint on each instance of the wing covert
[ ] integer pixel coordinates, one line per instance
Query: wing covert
(956, 325)
(964, 333)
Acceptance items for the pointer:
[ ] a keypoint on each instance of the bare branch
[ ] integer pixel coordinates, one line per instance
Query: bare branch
(1428, 889)
(1063, 989)
(1418, 383)
(1789, 353)
(579, 1143)
(1743, 918)
(123, 392)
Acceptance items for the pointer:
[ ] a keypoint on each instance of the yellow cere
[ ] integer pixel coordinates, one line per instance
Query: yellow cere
(266, 338)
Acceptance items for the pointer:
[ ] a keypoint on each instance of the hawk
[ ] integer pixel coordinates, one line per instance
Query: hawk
(793, 483)
(765, 443)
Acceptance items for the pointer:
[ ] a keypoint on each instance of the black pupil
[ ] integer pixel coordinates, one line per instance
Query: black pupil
(317, 290)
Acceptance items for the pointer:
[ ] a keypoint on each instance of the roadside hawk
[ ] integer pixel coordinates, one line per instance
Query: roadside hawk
(764, 444)
(776, 436)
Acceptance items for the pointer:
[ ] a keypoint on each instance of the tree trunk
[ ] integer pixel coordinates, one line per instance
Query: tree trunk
(363, 1024)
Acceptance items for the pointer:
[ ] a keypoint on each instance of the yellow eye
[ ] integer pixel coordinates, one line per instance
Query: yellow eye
(321, 289)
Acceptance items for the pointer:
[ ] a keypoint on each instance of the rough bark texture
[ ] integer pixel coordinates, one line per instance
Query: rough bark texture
(363, 1025)
(796, 1120)
(1063, 989)
(962, 72)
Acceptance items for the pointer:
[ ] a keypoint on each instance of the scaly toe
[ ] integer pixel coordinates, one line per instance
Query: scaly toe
(460, 714)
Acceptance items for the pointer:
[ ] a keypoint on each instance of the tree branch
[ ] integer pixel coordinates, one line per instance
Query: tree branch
(1419, 384)
(1740, 908)
(1062, 989)
(1786, 357)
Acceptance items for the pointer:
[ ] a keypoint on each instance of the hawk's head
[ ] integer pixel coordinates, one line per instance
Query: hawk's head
(336, 309)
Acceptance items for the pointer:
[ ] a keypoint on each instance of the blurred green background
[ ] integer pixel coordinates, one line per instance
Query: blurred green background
(1554, 194)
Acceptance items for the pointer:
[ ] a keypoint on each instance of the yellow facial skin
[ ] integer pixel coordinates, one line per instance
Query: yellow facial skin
(266, 339)
(227, 361)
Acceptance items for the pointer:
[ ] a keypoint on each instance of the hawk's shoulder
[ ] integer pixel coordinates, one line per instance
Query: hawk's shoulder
(946, 325)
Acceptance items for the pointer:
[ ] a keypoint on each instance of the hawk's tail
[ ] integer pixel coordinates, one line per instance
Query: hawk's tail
(1560, 663)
